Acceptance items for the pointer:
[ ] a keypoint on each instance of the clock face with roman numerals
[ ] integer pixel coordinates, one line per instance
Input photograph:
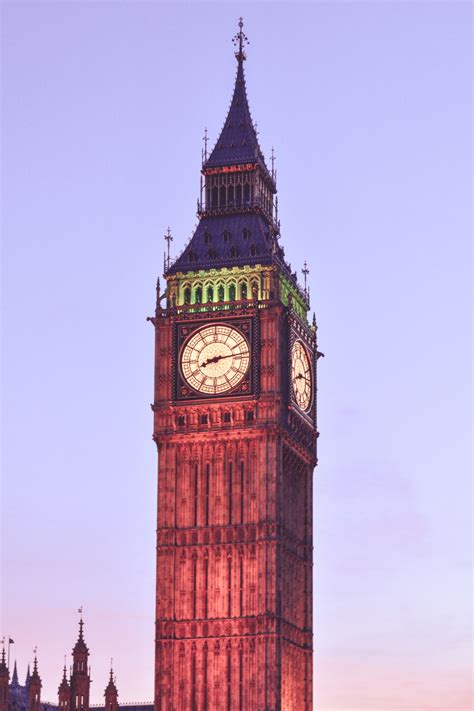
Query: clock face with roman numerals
(301, 376)
(215, 359)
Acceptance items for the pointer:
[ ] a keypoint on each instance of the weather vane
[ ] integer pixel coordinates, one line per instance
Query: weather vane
(239, 40)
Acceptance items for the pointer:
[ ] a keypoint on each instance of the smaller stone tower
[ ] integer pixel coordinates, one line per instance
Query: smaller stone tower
(64, 693)
(111, 694)
(80, 679)
(34, 689)
(4, 679)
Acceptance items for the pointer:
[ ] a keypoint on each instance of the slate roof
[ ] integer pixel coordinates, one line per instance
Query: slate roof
(238, 142)
(208, 248)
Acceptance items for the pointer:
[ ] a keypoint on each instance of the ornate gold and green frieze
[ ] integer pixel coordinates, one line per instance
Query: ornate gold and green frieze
(213, 288)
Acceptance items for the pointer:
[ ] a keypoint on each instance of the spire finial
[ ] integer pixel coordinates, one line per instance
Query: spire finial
(168, 238)
(239, 40)
(206, 141)
(273, 158)
(305, 272)
(81, 623)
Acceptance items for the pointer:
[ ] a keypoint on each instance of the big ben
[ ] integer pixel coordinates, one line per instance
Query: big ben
(235, 427)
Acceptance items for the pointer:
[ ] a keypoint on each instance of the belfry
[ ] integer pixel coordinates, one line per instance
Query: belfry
(235, 427)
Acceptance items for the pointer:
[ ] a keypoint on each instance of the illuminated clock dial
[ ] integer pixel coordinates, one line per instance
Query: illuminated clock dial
(215, 359)
(302, 380)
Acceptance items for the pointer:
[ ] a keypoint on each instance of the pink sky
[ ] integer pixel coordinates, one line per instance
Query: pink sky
(368, 107)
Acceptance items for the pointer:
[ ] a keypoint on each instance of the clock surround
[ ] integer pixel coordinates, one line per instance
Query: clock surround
(242, 387)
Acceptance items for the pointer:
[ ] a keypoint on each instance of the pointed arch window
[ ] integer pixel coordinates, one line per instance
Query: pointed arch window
(192, 257)
(232, 292)
(253, 250)
(243, 290)
(210, 293)
(226, 236)
(220, 292)
(222, 197)
(212, 254)
(187, 295)
(246, 233)
(234, 252)
(207, 237)
(198, 295)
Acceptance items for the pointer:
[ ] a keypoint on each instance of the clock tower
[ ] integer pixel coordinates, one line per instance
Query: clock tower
(235, 427)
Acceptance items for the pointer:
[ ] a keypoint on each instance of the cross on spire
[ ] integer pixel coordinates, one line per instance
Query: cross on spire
(239, 40)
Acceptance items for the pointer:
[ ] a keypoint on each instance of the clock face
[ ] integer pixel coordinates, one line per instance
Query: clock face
(215, 359)
(301, 377)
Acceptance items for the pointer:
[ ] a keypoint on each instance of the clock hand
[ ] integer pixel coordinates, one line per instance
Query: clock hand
(216, 359)
(300, 376)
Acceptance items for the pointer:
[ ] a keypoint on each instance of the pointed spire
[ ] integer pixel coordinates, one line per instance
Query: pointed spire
(15, 681)
(238, 142)
(111, 693)
(28, 675)
(80, 645)
(3, 664)
(64, 685)
(34, 676)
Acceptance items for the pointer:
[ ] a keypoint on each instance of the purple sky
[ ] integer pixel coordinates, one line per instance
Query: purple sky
(368, 107)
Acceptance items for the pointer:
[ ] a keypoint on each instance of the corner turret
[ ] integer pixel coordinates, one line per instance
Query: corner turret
(34, 688)
(111, 694)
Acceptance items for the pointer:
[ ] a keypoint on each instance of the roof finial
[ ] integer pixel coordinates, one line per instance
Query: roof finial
(206, 140)
(305, 272)
(239, 40)
(273, 158)
(168, 238)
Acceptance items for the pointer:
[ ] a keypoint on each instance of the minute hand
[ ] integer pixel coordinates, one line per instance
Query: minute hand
(216, 359)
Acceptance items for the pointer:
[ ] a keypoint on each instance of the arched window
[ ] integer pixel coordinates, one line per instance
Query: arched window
(253, 250)
(215, 196)
(210, 293)
(238, 194)
(230, 195)
(245, 233)
(212, 254)
(187, 295)
(192, 257)
(226, 235)
(220, 292)
(234, 252)
(246, 193)
(255, 289)
(207, 238)
(243, 290)
(198, 295)
(222, 196)
(232, 292)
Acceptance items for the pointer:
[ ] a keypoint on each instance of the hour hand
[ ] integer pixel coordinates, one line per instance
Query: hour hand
(215, 359)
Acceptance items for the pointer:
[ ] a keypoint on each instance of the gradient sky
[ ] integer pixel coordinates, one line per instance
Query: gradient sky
(368, 107)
